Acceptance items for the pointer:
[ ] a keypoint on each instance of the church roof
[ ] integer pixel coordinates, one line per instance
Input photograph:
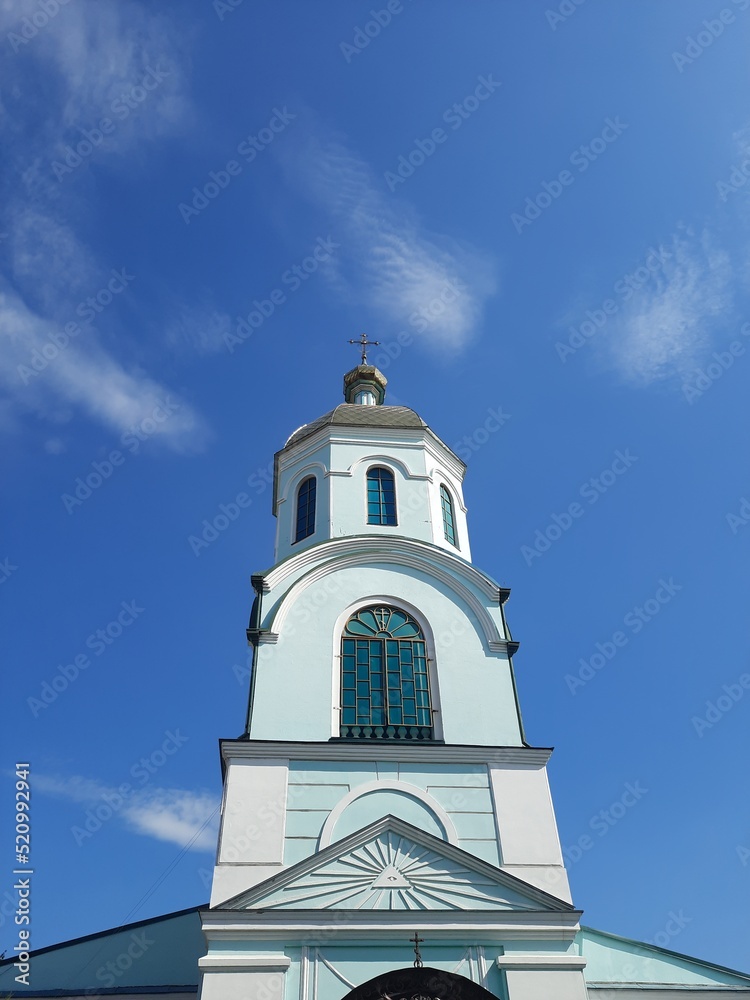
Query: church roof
(354, 415)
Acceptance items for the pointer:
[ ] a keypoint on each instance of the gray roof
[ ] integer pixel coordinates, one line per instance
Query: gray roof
(356, 415)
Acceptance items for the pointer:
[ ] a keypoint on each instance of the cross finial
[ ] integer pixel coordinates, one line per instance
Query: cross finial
(364, 343)
(417, 957)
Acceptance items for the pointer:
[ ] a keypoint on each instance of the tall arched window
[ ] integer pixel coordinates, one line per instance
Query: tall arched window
(449, 524)
(381, 496)
(305, 508)
(385, 690)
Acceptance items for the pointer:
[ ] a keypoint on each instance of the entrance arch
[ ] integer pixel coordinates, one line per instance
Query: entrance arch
(419, 984)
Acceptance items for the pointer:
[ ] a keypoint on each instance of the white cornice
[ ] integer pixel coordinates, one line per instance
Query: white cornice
(318, 926)
(543, 961)
(406, 753)
(394, 436)
(239, 963)
(373, 545)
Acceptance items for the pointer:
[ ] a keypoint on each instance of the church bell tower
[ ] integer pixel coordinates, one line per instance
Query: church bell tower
(386, 831)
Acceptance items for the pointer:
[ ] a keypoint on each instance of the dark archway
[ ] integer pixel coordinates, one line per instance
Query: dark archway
(419, 984)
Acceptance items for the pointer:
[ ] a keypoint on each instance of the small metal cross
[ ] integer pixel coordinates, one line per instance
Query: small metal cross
(417, 957)
(364, 343)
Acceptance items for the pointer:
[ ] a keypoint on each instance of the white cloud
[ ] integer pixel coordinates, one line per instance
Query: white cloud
(666, 328)
(96, 51)
(179, 816)
(90, 58)
(86, 375)
(389, 263)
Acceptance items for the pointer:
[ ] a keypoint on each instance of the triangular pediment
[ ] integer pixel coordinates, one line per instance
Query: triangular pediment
(392, 865)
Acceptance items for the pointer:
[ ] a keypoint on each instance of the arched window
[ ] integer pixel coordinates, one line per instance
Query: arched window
(305, 508)
(381, 496)
(385, 690)
(449, 524)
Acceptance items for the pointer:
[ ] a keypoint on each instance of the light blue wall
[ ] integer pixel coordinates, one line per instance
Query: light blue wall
(339, 457)
(315, 787)
(611, 959)
(296, 686)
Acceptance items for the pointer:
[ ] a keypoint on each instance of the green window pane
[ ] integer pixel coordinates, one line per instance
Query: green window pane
(385, 638)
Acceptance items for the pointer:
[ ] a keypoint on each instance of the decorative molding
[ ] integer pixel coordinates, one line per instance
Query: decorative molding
(239, 963)
(405, 753)
(372, 544)
(369, 787)
(495, 926)
(452, 571)
(387, 842)
(394, 873)
(543, 961)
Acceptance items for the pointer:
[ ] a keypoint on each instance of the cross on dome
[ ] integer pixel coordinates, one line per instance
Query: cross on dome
(364, 343)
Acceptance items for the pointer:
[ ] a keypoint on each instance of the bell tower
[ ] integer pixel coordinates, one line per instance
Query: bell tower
(383, 785)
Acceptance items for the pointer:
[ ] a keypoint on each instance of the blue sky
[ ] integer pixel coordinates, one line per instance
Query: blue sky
(538, 213)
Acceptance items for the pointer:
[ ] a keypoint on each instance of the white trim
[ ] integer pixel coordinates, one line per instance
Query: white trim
(390, 553)
(376, 459)
(544, 961)
(238, 963)
(405, 753)
(363, 925)
(303, 473)
(420, 552)
(387, 784)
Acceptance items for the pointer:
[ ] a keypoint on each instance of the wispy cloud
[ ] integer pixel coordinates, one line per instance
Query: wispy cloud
(88, 56)
(86, 376)
(179, 816)
(91, 60)
(392, 265)
(665, 329)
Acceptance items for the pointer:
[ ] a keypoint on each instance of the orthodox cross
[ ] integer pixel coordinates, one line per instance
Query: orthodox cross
(417, 957)
(364, 343)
